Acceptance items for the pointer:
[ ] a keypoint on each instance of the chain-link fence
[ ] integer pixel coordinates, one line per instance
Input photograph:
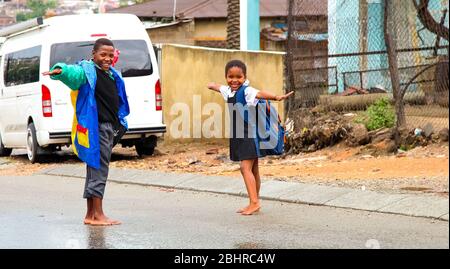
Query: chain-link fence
(353, 69)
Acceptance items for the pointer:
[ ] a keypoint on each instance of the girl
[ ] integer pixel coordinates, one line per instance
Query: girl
(243, 149)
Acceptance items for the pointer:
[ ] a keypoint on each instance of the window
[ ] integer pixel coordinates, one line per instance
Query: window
(22, 66)
(134, 58)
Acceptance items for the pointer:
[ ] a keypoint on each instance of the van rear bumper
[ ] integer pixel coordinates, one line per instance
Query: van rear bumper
(147, 130)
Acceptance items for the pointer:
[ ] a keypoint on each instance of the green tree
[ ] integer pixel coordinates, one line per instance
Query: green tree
(38, 9)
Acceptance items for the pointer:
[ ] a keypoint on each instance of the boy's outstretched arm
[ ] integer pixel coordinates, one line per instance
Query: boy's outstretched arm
(55, 71)
(71, 75)
(214, 86)
(271, 96)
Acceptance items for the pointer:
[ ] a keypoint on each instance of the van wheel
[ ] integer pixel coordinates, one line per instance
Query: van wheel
(146, 146)
(32, 145)
(4, 151)
(143, 150)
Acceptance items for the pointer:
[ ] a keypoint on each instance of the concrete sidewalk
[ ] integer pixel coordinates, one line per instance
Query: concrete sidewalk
(293, 192)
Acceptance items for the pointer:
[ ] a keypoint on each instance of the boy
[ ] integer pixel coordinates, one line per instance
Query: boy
(100, 103)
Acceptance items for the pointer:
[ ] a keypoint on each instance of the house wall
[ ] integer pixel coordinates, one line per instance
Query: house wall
(211, 28)
(375, 42)
(408, 30)
(182, 33)
(218, 27)
(343, 33)
(347, 34)
(211, 33)
(186, 71)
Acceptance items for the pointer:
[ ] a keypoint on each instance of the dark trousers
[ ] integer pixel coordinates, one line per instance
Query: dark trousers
(96, 178)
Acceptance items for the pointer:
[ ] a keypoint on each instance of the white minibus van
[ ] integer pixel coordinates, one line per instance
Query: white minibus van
(36, 112)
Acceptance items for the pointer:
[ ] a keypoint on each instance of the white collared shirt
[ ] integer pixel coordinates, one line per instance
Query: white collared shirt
(249, 93)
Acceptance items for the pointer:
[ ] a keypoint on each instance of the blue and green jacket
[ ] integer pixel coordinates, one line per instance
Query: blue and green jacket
(81, 79)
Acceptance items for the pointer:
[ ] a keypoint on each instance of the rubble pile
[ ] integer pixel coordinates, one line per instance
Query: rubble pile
(421, 137)
(309, 130)
(313, 131)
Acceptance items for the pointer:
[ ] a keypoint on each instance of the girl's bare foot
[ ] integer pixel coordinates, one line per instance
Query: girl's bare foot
(251, 209)
(240, 210)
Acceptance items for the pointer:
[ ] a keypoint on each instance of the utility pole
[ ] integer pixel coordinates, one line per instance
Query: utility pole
(174, 9)
(249, 24)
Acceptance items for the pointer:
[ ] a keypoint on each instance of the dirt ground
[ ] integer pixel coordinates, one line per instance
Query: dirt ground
(420, 170)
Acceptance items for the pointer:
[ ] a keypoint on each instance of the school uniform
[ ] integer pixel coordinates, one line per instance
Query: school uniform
(242, 143)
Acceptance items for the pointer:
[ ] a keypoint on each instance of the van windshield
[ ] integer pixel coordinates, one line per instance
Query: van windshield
(134, 58)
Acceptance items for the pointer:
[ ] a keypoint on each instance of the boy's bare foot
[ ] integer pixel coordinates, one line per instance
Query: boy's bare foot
(104, 221)
(87, 221)
(251, 209)
(100, 222)
(114, 222)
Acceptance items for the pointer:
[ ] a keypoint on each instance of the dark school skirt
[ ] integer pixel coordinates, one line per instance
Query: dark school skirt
(241, 148)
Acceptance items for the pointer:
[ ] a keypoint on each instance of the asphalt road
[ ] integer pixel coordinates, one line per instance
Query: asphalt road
(47, 212)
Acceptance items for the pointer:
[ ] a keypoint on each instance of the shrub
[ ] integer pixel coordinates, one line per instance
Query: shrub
(378, 115)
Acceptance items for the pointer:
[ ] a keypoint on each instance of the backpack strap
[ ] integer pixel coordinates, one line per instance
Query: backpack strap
(268, 106)
(240, 98)
(240, 95)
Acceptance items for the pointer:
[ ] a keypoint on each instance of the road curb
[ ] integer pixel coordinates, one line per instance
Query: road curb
(292, 192)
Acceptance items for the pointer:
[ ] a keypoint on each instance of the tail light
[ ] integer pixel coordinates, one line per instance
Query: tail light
(46, 102)
(158, 96)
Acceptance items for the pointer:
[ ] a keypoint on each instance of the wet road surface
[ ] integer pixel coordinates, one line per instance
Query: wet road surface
(47, 212)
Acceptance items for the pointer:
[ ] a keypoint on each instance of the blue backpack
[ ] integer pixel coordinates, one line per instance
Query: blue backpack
(269, 134)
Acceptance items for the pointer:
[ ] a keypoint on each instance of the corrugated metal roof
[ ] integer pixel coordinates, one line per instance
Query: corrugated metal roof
(218, 8)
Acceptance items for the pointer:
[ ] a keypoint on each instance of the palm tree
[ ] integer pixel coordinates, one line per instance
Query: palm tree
(233, 21)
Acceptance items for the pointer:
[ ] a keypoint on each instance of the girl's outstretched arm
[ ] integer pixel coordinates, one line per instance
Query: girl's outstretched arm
(271, 96)
(214, 86)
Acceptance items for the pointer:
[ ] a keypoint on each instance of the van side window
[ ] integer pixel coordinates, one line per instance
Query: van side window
(134, 59)
(22, 66)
